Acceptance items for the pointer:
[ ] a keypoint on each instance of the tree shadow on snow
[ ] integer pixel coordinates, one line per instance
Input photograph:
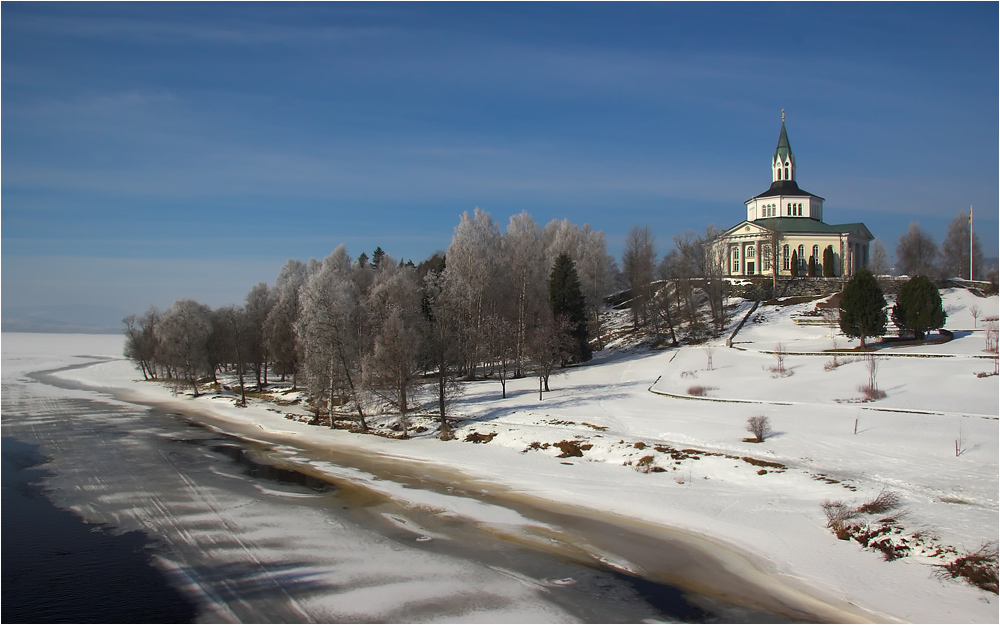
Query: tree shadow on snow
(272, 583)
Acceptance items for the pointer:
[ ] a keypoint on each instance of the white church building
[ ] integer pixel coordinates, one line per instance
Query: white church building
(791, 220)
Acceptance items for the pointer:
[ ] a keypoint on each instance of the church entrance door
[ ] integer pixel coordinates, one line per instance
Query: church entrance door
(749, 267)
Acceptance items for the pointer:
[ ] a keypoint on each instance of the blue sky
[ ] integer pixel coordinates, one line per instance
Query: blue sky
(158, 151)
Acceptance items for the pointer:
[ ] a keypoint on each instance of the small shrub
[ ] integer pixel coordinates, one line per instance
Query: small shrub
(838, 513)
(760, 427)
(978, 568)
(572, 448)
(644, 464)
(476, 437)
(639, 445)
(699, 391)
(870, 394)
(883, 502)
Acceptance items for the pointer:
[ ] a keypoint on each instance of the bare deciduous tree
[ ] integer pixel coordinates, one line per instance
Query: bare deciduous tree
(955, 249)
(638, 261)
(916, 253)
(760, 427)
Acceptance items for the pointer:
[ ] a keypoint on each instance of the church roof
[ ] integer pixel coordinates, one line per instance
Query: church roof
(785, 187)
(800, 225)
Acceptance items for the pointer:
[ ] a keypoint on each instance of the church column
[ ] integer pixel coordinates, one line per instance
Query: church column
(760, 259)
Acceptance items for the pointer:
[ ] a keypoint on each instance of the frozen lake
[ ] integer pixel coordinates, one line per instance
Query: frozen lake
(245, 536)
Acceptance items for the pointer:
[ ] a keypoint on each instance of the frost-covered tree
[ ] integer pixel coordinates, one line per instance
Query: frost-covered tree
(918, 307)
(259, 302)
(280, 324)
(393, 365)
(328, 332)
(524, 260)
(862, 307)
(878, 261)
(597, 270)
(183, 340)
(441, 344)
(955, 249)
(916, 253)
(472, 269)
(233, 322)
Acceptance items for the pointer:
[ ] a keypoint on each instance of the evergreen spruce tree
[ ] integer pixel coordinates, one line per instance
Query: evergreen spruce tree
(566, 298)
(795, 264)
(918, 307)
(828, 262)
(812, 266)
(862, 307)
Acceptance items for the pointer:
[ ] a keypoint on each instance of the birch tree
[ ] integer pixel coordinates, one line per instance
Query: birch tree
(393, 365)
(183, 340)
(525, 263)
(472, 266)
(327, 331)
(280, 324)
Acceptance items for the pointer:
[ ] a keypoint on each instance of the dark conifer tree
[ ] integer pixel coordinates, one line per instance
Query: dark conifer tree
(918, 307)
(566, 297)
(377, 256)
(795, 264)
(812, 266)
(828, 262)
(862, 307)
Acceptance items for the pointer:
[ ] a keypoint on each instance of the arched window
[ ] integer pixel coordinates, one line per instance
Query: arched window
(779, 173)
(750, 251)
(786, 173)
(785, 257)
(736, 260)
(765, 253)
(816, 254)
(802, 255)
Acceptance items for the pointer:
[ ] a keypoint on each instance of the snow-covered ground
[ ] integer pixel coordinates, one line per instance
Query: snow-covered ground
(636, 444)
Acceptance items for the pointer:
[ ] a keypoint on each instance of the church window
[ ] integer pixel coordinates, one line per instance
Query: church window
(786, 173)
(736, 259)
(750, 251)
(802, 256)
(779, 173)
(765, 253)
(816, 253)
(785, 257)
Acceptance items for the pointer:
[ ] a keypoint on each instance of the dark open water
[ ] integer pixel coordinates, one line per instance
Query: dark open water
(59, 569)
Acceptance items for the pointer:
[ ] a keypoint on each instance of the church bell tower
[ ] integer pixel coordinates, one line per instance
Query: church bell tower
(783, 162)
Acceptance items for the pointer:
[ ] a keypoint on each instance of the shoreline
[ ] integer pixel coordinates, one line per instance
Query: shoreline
(707, 558)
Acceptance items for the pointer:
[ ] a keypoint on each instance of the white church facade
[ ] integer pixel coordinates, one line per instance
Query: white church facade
(784, 226)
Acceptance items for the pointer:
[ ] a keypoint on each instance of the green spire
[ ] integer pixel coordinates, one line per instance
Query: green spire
(783, 148)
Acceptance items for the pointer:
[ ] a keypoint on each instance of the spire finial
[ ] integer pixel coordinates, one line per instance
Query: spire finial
(782, 116)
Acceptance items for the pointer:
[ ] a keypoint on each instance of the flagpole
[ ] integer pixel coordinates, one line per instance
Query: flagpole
(970, 242)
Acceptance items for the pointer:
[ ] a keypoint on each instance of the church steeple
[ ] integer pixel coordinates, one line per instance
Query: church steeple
(783, 161)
